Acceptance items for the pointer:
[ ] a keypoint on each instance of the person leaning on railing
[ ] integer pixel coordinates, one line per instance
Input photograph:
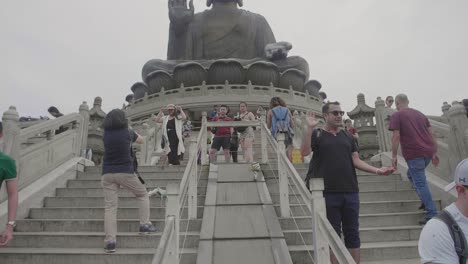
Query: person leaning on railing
(8, 174)
(335, 159)
(118, 170)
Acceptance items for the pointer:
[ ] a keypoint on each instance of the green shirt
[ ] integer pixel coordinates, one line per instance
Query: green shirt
(7, 168)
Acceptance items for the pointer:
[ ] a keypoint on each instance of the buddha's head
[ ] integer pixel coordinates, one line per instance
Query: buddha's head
(210, 2)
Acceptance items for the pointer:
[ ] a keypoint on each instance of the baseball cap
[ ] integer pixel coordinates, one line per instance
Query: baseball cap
(460, 175)
(170, 106)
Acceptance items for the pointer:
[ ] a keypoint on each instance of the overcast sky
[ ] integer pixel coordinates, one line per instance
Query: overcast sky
(63, 52)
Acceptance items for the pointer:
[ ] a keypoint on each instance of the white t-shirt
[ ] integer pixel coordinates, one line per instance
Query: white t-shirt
(435, 243)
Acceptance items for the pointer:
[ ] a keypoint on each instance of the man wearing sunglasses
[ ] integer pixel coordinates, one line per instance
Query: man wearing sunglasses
(335, 159)
(389, 101)
(436, 244)
(412, 130)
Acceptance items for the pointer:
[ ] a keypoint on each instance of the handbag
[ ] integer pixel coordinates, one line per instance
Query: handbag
(134, 159)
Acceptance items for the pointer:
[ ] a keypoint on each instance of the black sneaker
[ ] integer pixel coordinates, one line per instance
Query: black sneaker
(110, 247)
(147, 229)
(422, 207)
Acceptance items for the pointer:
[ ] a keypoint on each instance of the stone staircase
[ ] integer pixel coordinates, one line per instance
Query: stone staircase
(389, 218)
(70, 226)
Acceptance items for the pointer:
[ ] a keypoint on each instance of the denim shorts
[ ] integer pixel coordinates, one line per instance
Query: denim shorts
(343, 214)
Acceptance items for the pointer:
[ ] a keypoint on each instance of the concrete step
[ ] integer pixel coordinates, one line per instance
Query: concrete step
(96, 225)
(145, 175)
(97, 192)
(377, 251)
(362, 176)
(369, 234)
(150, 183)
(143, 169)
(86, 240)
(99, 201)
(393, 206)
(86, 255)
(363, 186)
(369, 207)
(98, 213)
(365, 220)
(365, 195)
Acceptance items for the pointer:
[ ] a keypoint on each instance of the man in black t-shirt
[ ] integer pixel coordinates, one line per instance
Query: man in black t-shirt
(335, 159)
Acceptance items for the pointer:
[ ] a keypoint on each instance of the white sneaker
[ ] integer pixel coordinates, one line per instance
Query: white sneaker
(158, 191)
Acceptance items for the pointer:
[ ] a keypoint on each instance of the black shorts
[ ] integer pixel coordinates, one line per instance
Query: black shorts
(219, 142)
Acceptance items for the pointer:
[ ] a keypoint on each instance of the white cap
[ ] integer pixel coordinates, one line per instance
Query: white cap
(460, 175)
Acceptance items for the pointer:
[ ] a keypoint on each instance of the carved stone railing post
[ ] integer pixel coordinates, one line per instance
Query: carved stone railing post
(264, 140)
(458, 145)
(192, 188)
(204, 143)
(283, 178)
(11, 134)
(172, 209)
(321, 249)
(445, 109)
(381, 116)
(145, 146)
(83, 129)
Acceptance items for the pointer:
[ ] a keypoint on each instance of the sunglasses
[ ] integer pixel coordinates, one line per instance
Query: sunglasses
(336, 113)
(390, 101)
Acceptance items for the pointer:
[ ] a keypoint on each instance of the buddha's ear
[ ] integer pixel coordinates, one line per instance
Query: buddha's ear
(210, 2)
(240, 3)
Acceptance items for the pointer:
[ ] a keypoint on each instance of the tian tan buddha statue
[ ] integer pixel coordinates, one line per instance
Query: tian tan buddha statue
(222, 32)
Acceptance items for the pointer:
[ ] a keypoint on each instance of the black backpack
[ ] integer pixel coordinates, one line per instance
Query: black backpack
(457, 235)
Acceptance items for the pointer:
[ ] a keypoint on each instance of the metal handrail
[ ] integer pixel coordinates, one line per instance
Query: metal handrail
(323, 225)
(163, 249)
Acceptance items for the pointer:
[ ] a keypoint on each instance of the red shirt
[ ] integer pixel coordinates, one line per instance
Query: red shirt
(415, 137)
(352, 130)
(222, 131)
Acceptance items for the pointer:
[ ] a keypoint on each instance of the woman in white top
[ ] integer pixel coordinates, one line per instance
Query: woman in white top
(246, 136)
(172, 131)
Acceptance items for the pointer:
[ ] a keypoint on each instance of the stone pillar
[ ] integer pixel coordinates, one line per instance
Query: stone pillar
(192, 188)
(84, 112)
(383, 135)
(263, 139)
(283, 178)
(321, 249)
(458, 142)
(11, 134)
(204, 147)
(172, 209)
(143, 159)
(445, 109)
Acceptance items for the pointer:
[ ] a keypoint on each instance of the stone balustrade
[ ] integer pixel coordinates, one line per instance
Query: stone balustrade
(37, 149)
(198, 98)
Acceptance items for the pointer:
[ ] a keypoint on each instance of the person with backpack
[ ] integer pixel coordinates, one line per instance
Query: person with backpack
(279, 120)
(443, 238)
(335, 159)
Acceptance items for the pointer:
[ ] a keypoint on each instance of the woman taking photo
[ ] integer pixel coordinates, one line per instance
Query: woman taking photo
(118, 170)
(172, 131)
(246, 137)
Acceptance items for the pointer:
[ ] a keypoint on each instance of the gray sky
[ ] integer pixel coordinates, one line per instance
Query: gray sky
(63, 52)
